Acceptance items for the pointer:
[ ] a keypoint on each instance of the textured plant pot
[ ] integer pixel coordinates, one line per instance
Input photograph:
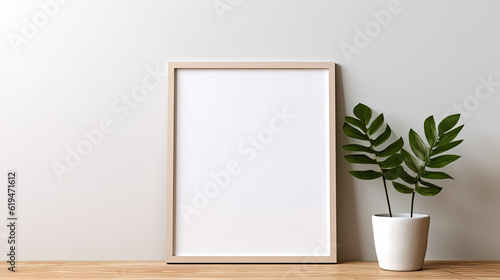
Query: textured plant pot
(400, 241)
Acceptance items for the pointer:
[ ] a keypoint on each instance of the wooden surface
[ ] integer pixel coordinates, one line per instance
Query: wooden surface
(159, 270)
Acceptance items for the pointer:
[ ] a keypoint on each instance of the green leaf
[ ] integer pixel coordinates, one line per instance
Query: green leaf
(392, 161)
(382, 137)
(405, 176)
(445, 147)
(410, 161)
(402, 188)
(354, 133)
(366, 174)
(430, 130)
(435, 175)
(449, 136)
(376, 124)
(363, 112)
(430, 185)
(442, 161)
(427, 191)
(390, 174)
(358, 148)
(417, 145)
(356, 123)
(391, 149)
(448, 123)
(360, 159)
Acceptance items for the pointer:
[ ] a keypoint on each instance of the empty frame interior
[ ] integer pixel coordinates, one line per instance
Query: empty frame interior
(251, 163)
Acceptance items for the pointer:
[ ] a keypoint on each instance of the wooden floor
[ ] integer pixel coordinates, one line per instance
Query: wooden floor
(160, 270)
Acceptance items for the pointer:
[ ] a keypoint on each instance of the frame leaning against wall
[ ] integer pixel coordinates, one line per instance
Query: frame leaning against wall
(293, 222)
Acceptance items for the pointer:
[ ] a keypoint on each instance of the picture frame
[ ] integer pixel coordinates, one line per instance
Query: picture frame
(251, 162)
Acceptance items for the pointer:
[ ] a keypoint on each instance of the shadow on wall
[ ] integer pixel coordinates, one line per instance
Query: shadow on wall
(459, 220)
(348, 239)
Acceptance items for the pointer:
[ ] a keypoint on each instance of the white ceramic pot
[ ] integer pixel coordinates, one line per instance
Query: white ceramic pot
(400, 241)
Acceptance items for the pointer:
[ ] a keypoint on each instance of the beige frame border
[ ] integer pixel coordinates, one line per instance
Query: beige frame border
(171, 257)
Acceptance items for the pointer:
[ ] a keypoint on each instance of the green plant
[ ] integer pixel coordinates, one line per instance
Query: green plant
(387, 160)
(425, 156)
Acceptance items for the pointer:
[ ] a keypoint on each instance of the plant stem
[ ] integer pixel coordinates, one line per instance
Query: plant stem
(383, 177)
(385, 184)
(412, 200)
(387, 197)
(421, 171)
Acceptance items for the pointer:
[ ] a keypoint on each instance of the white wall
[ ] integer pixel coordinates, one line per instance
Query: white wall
(68, 74)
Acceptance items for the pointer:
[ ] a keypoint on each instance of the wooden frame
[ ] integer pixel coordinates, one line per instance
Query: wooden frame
(173, 69)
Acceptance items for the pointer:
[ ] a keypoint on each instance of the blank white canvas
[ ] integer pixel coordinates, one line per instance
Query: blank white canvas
(278, 203)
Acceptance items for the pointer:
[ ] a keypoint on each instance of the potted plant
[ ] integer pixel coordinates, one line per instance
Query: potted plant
(401, 238)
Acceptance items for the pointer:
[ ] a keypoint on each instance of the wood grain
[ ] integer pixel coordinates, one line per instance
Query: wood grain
(147, 270)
